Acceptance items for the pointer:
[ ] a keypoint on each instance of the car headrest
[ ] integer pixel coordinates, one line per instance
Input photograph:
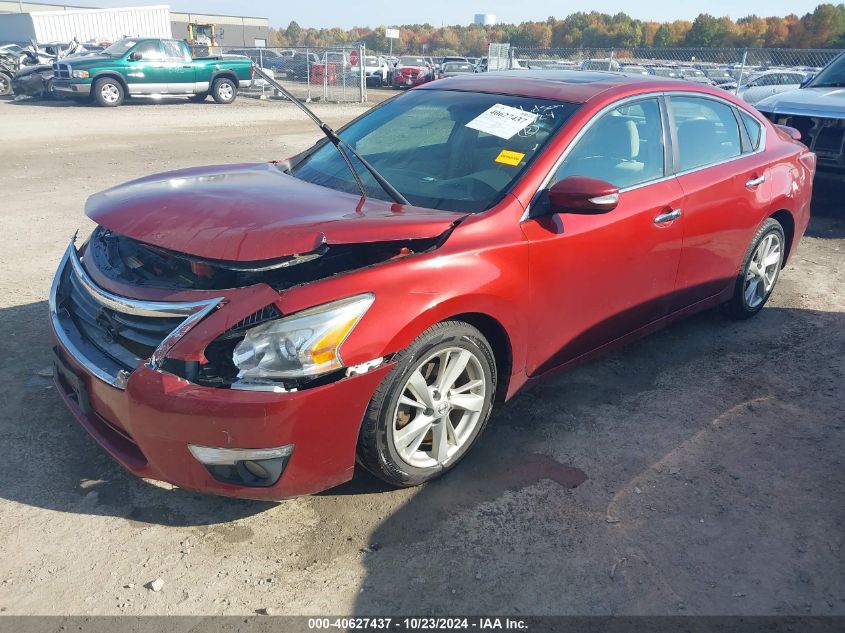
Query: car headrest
(698, 142)
(617, 137)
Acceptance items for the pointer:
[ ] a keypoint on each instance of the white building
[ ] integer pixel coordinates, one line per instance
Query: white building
(487, 19)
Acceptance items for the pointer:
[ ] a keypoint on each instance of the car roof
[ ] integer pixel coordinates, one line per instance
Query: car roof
(575, 86)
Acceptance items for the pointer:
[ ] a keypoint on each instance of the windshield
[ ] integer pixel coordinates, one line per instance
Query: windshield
(832, 75)
(411, 61)
(455, 67)
(119, 48)
(431, 145)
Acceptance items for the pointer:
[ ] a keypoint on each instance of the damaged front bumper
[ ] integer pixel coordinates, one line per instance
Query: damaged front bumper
(152, 421)
(72, 88)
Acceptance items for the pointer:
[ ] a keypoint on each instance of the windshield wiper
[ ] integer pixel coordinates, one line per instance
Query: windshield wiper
(342, 146)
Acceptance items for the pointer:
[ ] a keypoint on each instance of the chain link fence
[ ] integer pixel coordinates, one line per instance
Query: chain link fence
(332, 74)
(729, 68)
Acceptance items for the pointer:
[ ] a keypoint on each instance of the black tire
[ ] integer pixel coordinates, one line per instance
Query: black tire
(198, 98)
(224, 90)
(108, 92)
(741, 306)
(376, 450)
(5, 85)
(49, 93)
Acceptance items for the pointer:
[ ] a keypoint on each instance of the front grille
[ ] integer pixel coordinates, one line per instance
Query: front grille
(829, 140)
(111, 335)
(126, 338)
(61, 71)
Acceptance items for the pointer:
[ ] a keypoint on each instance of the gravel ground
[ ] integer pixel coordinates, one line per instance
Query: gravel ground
(698, 471)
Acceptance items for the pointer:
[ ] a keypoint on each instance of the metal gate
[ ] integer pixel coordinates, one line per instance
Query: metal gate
(498, 57)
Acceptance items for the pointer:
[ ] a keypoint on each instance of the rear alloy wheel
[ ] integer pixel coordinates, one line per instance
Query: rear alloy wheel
(431, 408)
(224, 90)
(760, 271)
(108, 92)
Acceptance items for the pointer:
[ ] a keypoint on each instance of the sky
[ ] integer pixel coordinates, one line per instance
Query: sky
(349, 13)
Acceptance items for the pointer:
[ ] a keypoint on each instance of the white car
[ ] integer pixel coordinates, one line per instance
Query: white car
(377, 71)
(768, 83)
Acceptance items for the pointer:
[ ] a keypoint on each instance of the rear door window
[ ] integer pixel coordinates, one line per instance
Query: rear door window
(175, 51)
(706, 130)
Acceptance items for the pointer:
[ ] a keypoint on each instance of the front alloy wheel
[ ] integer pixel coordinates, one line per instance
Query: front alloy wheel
(440, 407)
(108, 92)
(431, 408)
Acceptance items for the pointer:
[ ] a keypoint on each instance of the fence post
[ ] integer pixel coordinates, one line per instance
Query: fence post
(510, 58)
(362, 51)
(325, 62)
(308, 74)
(261, 66)
(610, 59)
(741, 71)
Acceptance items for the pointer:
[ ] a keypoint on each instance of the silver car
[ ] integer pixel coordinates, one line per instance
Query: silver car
(769, 83)
(452, 69)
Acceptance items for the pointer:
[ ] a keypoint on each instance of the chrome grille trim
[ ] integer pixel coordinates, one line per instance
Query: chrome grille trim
(61, 71)
(193, 312)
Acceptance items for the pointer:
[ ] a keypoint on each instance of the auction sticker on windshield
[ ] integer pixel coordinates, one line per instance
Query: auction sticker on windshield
(502, 121)
(507, 157)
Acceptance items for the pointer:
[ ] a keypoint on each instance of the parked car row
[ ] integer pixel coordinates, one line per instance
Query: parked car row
(750, 83)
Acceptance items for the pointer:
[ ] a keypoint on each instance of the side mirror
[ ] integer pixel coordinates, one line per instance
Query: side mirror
(807, 80)
(580, 194)
(136, 56)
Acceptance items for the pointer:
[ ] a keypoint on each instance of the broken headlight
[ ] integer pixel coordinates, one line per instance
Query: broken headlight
(304, 344)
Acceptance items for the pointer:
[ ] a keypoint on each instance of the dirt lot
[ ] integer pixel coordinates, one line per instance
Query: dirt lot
(711, 454)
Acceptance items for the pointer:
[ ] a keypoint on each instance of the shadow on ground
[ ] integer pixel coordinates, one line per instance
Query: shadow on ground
(697, 471)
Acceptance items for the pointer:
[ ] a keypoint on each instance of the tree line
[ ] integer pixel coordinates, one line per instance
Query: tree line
(824, 27)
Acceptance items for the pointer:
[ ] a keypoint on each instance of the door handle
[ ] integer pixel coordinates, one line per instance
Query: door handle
(755, 181)
(674, 214)
(185, 66)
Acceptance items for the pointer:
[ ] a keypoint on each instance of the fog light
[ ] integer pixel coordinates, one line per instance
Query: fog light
(258, 467)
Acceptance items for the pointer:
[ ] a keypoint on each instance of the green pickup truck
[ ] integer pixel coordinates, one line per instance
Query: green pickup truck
(135, 67)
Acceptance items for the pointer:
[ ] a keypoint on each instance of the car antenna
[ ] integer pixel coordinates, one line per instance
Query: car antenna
(341, 145)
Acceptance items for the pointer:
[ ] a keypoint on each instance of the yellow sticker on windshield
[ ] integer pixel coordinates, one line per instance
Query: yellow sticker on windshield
(507, 157)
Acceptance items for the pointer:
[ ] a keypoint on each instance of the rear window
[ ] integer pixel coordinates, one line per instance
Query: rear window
(453, 67)
(754, 129)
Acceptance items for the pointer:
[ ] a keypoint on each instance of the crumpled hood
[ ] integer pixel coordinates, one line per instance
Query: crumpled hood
(253, 212)
(818, 102)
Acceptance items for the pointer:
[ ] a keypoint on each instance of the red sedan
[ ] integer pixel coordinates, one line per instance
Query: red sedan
(411, 71)
(254, 330)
